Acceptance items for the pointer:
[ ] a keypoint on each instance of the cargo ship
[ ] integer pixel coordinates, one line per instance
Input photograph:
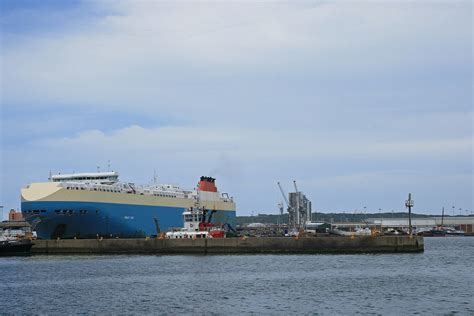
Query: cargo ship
(93, 205)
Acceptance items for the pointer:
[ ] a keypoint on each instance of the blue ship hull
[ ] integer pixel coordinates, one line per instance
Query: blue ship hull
(91, 219)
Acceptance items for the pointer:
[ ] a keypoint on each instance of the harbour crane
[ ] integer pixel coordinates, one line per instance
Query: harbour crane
(284, 196)
(291, 211)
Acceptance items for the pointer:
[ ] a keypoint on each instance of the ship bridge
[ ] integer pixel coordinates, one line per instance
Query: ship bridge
(91, 177)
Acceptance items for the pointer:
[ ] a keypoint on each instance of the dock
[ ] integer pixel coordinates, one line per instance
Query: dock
(249, 245)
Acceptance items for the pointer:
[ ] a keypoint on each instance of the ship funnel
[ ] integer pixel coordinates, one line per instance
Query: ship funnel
(207, 184)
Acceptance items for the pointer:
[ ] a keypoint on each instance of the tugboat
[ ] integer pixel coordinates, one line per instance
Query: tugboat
(10, 246)
(198, 225)
(15, 238)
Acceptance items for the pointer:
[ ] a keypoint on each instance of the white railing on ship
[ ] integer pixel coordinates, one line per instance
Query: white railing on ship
(124, 189)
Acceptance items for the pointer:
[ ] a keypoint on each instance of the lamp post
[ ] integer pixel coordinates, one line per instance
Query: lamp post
(409, 204)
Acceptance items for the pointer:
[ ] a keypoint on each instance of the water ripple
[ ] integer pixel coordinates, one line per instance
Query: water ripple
(438, 281)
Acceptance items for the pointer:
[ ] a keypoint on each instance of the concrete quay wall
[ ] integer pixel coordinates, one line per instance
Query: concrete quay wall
(269, 245)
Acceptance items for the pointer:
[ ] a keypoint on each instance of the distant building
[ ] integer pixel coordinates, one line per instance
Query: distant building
(301, 209)
(465, 223)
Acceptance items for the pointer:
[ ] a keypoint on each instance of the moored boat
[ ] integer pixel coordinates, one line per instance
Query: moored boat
(197, 224)
(359, 231)
(455, 232)
(15, 238)
(87, 205)
(14, 246)
(438, 232)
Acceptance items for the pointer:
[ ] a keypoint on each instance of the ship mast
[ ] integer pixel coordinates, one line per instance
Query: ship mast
(442, 218)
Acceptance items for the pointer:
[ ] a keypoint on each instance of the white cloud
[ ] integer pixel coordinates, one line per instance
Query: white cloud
(252, 144)
(248, 163)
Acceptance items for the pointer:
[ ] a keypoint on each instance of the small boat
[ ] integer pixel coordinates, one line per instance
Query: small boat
(438, 232)
(15, 238)
(422, 231)
(394, 232)
(358, 232)
(198, 225)
(10, 246)
(454, 232)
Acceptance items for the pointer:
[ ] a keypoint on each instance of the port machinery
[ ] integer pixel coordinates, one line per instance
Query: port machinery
(298, 207)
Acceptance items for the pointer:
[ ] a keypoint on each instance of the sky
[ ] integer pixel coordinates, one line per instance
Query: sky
(360, 102)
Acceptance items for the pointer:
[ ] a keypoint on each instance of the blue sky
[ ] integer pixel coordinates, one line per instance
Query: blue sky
(360, 102)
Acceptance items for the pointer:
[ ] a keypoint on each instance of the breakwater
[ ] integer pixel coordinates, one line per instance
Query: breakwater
(270, 245)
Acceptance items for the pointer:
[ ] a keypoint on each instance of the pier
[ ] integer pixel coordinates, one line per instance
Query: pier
(249, 245)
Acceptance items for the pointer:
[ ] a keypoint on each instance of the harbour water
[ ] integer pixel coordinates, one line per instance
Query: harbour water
(438, 281)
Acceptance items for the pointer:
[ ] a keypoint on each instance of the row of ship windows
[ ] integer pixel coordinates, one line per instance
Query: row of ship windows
(116, 191)
(60, 211)
(164, 195)
(82, 212)
(95, 189)
(86, 178)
